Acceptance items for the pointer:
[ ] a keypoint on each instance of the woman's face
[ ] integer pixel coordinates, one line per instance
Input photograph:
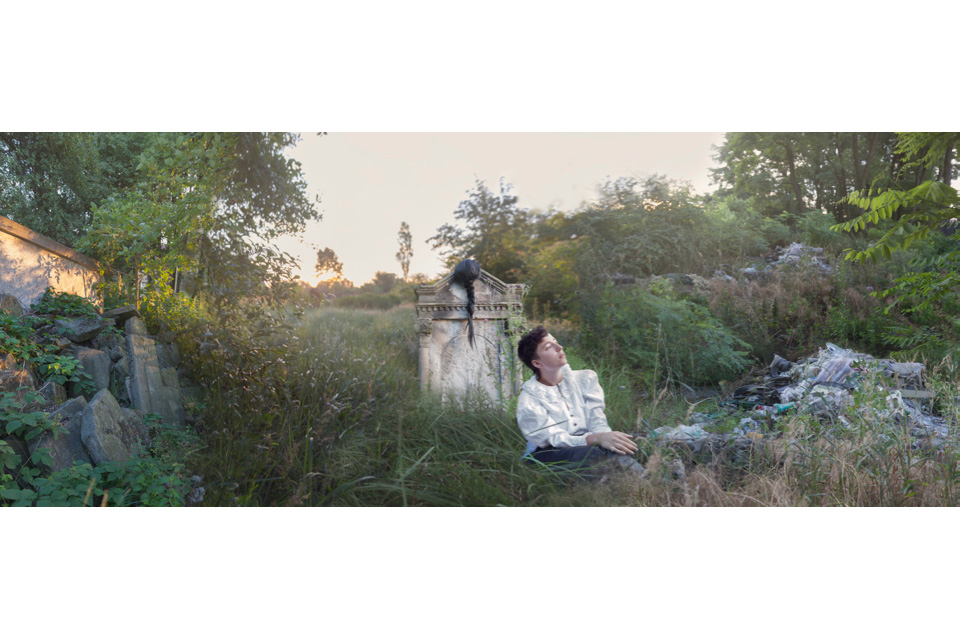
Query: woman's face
(550, 355)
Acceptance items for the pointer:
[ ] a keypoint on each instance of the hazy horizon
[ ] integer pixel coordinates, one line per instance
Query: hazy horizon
(371, 182)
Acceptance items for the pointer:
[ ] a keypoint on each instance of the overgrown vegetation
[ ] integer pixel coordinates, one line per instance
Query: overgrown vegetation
(323, 408)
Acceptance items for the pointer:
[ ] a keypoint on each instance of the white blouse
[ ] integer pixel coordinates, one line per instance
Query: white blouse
(563, 415)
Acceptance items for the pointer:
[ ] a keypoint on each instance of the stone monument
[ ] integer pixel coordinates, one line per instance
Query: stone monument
(449, 365)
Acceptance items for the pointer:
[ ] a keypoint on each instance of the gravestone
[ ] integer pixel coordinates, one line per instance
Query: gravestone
(449, 365)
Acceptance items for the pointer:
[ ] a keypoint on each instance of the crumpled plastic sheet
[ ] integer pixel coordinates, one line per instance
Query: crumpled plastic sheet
(921, 424)
(684, 433)
(826, 400)
(794, 392)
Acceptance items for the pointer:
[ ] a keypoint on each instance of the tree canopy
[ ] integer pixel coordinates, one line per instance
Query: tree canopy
(208, 205)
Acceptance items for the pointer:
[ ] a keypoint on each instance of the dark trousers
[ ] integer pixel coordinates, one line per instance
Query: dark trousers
(574, 459)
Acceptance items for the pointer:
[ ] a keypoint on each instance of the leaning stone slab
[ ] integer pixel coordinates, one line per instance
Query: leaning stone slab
(147, 391)
(70, 408)
(121, 314)
(108, 434)
(66, 448)
(96, 364)
(135, 327)
(81, 329)
(11, 305)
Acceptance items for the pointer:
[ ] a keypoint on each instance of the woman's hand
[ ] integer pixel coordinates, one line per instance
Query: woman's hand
(615, 441)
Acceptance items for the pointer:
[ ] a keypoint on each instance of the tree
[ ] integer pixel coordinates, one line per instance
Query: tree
(50, 182)
(405, 239)
(795, 172)
(496, 232)
(915, 214)
(384, 282)
(210, 205)
(327, 262)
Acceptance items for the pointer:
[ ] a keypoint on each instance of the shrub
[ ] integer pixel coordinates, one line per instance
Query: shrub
(62, 304)
(144, 482)
(661, 337)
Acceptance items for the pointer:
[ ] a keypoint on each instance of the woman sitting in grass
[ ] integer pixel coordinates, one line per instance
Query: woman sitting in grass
(560, 411)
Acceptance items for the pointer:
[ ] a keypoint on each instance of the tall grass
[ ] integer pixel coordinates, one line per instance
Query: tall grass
(341, 422)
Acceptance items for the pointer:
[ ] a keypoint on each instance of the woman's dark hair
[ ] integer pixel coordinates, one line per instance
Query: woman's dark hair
(527, 347)
(465, 273)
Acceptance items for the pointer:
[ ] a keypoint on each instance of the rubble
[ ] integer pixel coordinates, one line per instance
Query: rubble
(794, 255)
(823, 387)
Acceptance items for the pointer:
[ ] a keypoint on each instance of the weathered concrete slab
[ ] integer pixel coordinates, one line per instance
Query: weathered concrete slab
(135, 327)
(108, 434)
(70, 408)
(147, 391)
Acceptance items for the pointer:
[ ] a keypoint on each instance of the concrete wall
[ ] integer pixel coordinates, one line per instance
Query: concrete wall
(30, 262)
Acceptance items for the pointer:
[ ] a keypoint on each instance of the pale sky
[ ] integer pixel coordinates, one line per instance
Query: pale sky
(370, 182)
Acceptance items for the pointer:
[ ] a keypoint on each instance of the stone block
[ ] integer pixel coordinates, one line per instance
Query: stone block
(11, 305)
(135, 327)
(81, 329)
(107, 341)
(96, 364)
(121, 314)
(65, 448)
(108, 434)
(54, 394)
(70, 408)
(17, 380)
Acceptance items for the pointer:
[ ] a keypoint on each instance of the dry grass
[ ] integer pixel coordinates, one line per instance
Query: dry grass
(822, 473)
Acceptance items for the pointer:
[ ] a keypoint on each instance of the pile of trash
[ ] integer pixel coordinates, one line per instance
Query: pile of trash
(792, 256)
(823, 387)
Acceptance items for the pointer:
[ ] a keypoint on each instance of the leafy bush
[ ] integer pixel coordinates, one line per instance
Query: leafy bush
(815, 230)
(62, 304)
(735, 229)
(18, 468)
(661, 337)
(144, 482)
(16, 336)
